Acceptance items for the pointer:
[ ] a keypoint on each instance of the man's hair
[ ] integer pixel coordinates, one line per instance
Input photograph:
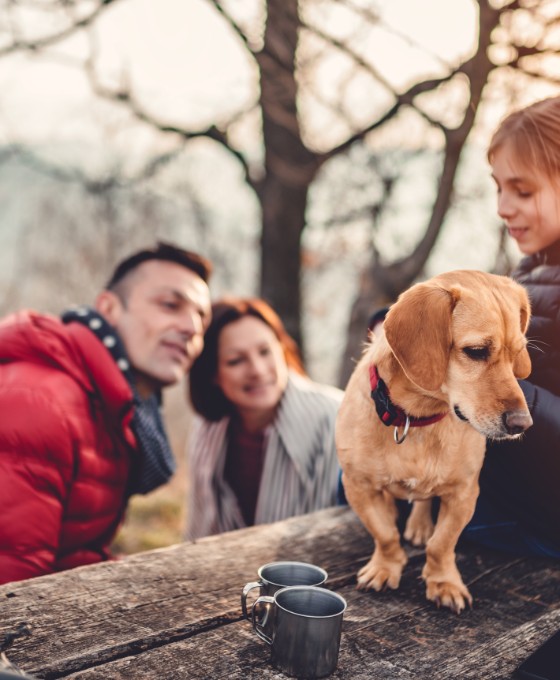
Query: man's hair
(164, 252)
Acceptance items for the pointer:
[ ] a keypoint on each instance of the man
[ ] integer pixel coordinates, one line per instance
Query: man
(80, 427)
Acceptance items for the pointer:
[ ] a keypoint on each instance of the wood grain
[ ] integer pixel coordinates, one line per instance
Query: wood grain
(175, 612)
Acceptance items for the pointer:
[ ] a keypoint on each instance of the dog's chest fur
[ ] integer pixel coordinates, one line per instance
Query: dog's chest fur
(422, 466)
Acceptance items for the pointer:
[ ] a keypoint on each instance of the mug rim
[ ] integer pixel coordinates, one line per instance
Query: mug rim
(291, 563)
(325, 591)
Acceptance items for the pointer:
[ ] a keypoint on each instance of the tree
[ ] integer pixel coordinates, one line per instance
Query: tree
(290, 43)
(502, 32)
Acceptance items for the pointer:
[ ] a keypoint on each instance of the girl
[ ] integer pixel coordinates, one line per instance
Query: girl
(519, 508)
(263, 447)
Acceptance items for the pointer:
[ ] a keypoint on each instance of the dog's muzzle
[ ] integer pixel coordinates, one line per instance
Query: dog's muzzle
(516, 422)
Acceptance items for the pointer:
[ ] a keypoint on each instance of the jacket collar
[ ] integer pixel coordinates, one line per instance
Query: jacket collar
(550, 255)
(102, 372)
(292, 425)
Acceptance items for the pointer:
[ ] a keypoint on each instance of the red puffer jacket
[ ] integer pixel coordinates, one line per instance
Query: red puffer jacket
(65, 446)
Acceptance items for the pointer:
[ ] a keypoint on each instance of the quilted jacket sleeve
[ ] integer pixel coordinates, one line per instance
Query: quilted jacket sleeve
(544, 407)
(36, 467)
(522, 475)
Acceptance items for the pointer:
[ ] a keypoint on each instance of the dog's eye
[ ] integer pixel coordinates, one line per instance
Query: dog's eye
(477, 353)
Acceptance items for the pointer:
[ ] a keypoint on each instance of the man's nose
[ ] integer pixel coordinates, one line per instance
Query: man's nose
(191, 324)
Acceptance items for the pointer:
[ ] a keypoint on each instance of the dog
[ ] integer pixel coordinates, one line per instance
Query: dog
(433, 384)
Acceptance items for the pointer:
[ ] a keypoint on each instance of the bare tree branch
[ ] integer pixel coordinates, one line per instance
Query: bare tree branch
(19, 45)
(75, 174)
(349, 52)
(406, 98)
(229, 19)
(539, 76)
(126, 98)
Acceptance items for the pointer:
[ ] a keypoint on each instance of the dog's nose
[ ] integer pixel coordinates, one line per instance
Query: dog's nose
(516, 422)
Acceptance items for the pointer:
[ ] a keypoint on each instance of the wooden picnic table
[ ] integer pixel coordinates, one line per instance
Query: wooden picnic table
(175, 612)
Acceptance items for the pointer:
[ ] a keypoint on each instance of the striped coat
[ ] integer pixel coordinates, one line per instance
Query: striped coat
(300, 471)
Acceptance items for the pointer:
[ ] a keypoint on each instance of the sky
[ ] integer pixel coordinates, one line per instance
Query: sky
(187, 65)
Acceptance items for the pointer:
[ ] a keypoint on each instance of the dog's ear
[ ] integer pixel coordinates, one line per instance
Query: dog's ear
(522, 362)
(525, 311)
(522, 365)
(418, 330)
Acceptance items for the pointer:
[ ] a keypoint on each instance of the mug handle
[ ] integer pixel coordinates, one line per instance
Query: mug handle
(259, 625)
(248, 587)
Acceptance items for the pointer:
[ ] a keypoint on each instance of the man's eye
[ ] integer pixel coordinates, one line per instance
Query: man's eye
(169, 304)
(477, 353)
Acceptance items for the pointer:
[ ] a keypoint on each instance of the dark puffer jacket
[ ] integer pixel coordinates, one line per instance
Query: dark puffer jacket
(65, 446)
(524, 475)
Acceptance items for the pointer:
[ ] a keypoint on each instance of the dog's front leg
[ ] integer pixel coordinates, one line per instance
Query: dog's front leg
(444, 584)
(377, 512)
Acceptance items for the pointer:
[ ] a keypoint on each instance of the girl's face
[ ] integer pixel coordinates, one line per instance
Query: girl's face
(252, 371)
(528, 202)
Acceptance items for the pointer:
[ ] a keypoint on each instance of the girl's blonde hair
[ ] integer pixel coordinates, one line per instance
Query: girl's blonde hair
(533, 134)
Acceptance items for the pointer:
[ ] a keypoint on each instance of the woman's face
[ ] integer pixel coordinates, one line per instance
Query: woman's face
(252, 371)
(528, 202)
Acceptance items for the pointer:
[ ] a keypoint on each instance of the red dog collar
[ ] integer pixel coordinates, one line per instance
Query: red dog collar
(389, 413)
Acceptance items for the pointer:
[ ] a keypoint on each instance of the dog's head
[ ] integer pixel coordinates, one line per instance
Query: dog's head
(463, 334)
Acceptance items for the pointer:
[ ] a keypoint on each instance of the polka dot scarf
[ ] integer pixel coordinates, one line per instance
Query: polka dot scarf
(157, 464)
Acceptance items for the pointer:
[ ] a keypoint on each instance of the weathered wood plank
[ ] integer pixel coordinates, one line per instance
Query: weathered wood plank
(426, 640)
(421, 645)
(175, 612)
(108, 610)
(501, 655)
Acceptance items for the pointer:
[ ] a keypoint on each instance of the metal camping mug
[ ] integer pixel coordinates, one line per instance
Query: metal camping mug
(276, 575)
(302, 625)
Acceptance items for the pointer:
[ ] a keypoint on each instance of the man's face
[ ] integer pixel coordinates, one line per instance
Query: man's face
(162, 320)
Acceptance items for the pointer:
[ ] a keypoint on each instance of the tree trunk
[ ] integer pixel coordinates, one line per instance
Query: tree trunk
(289, 167)
(283, 210)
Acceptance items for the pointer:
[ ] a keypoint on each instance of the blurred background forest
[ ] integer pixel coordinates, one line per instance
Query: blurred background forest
(324, 154)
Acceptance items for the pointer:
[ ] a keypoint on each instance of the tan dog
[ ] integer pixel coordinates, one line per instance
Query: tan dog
(448, 356)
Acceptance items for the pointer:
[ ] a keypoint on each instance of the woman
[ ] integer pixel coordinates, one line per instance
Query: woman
(263, 447)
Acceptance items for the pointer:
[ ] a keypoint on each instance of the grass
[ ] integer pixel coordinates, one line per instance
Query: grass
(152, 521)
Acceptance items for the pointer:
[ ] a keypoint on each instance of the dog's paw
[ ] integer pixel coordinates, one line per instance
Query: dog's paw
(418, 533)
(380, 574)
(446, 594)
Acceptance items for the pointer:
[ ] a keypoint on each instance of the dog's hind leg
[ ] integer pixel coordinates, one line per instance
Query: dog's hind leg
(419, 525)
